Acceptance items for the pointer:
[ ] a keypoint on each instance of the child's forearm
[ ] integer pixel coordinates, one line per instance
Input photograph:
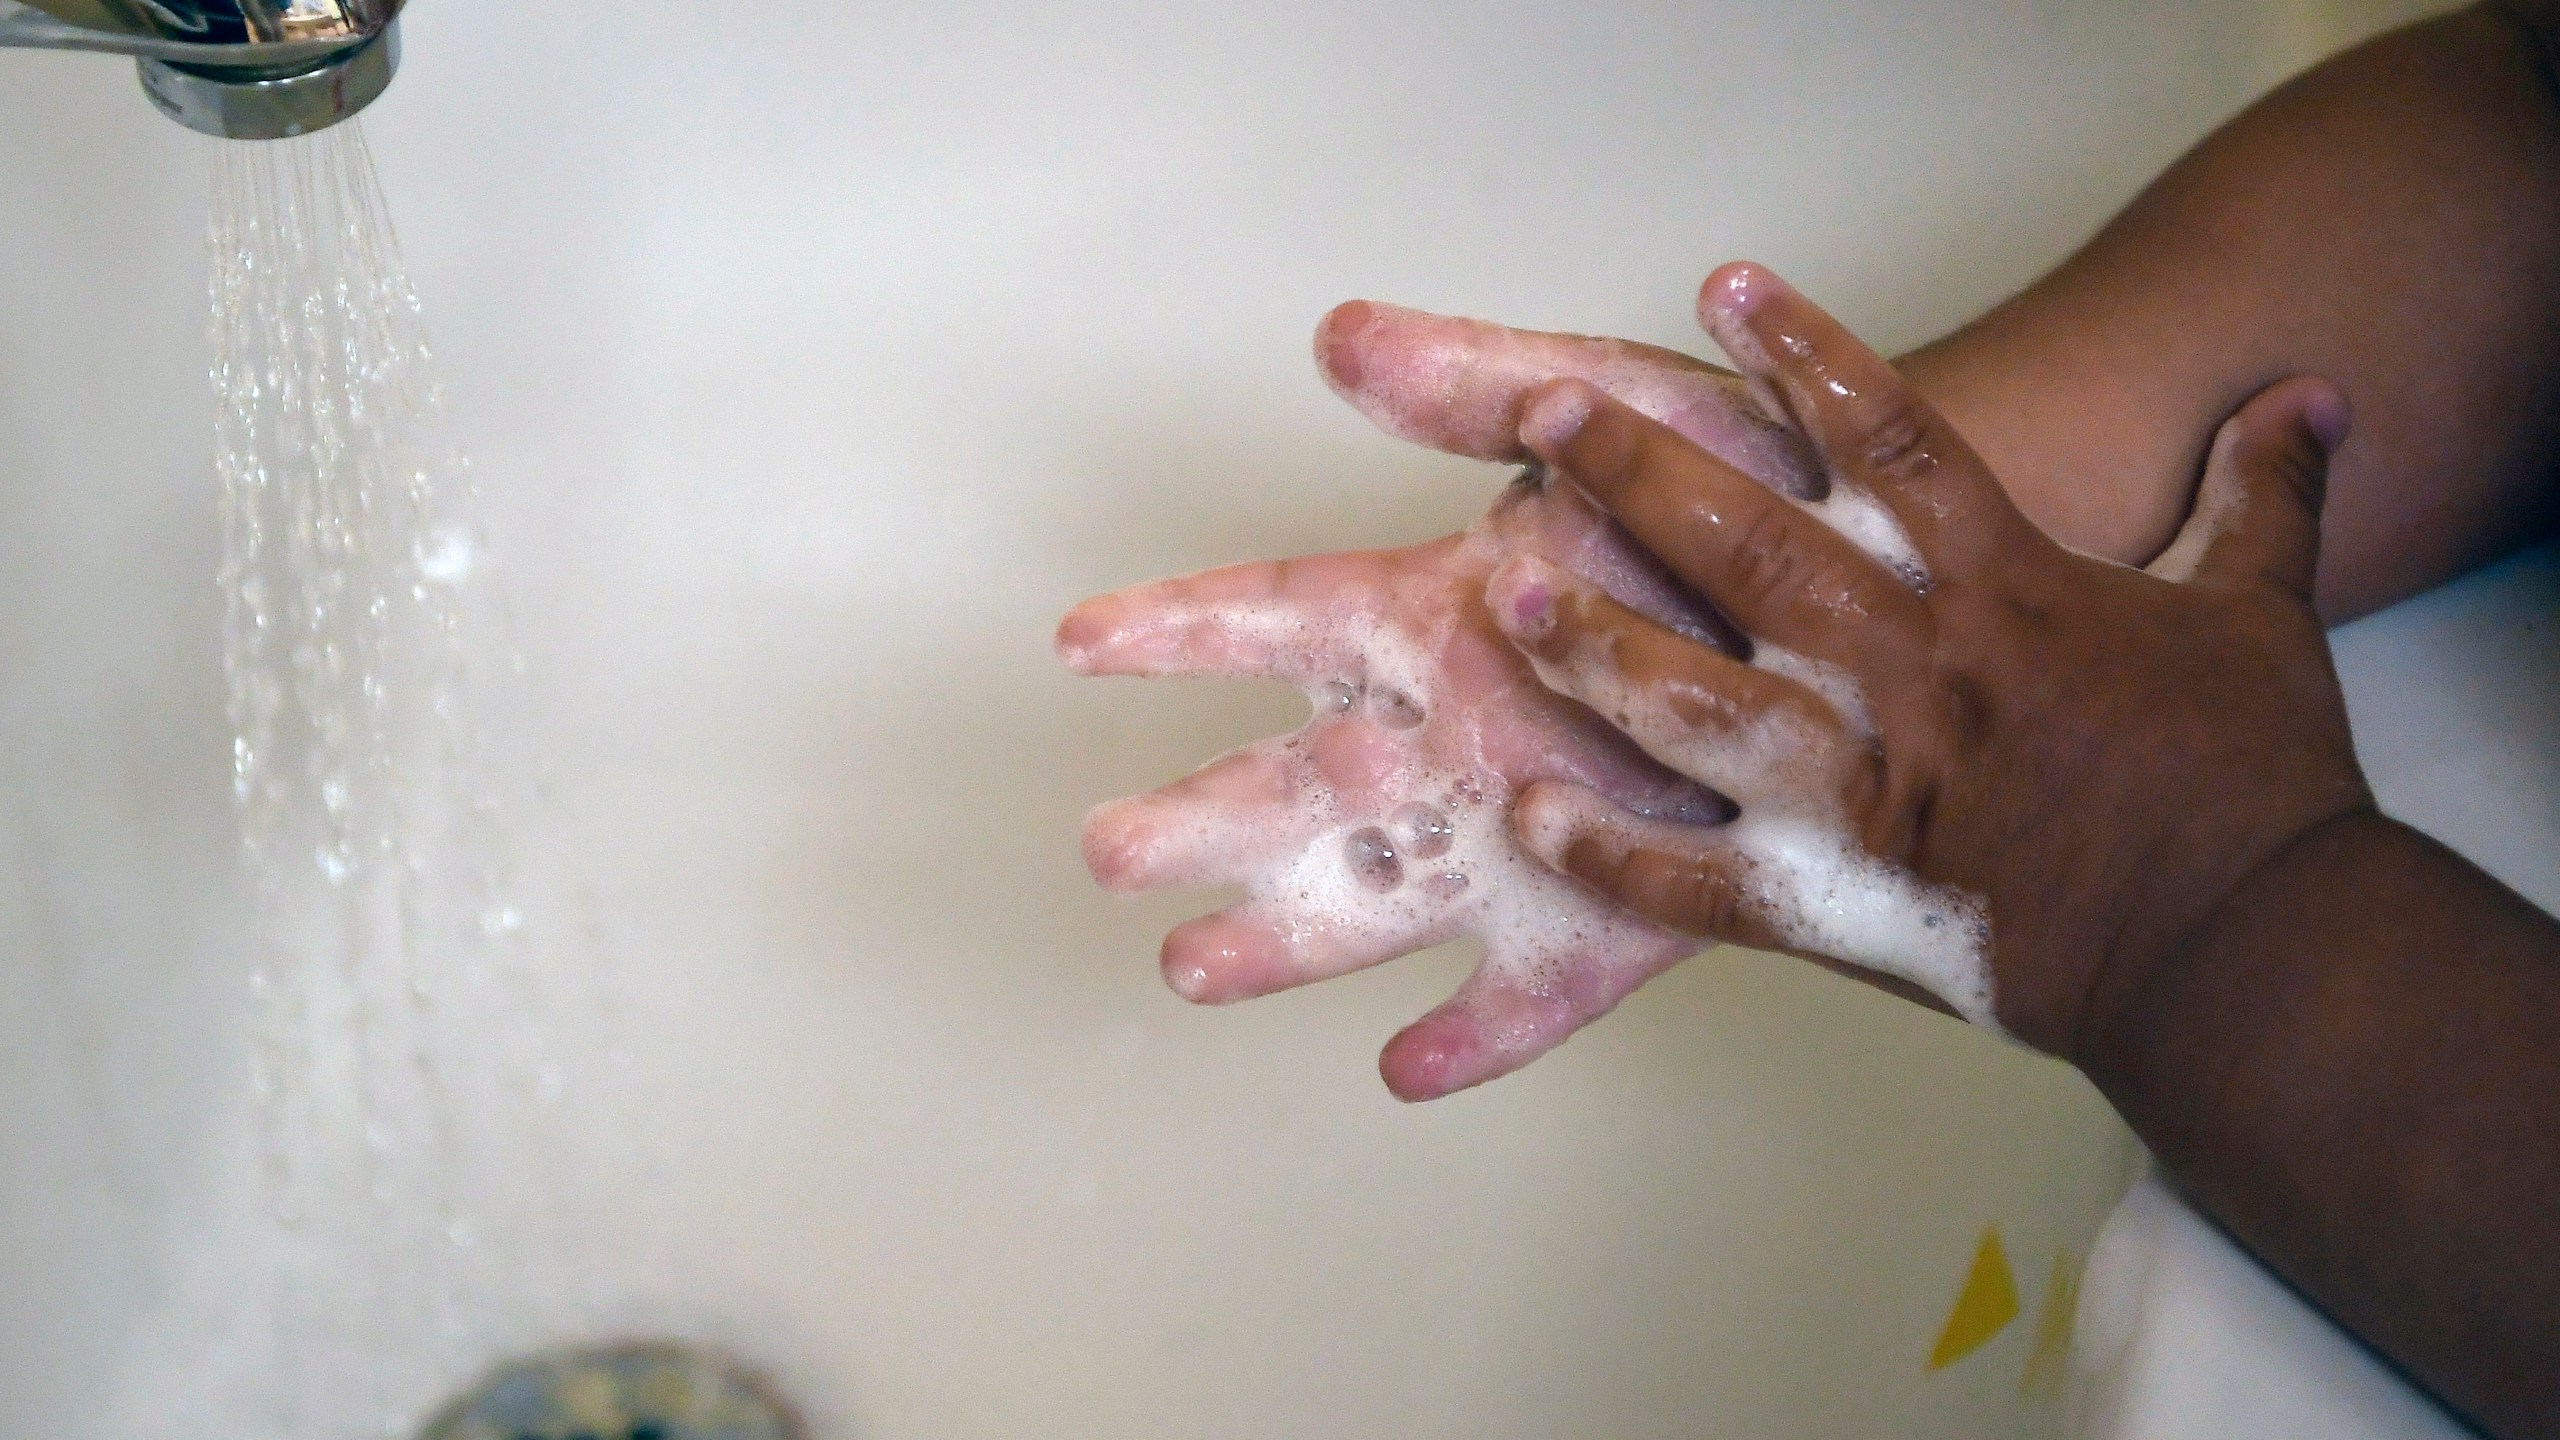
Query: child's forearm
(2355, 1065)
(2390, 220)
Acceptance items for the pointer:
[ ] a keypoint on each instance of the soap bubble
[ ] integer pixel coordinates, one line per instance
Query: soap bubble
(1427, 832)
(1371, 853)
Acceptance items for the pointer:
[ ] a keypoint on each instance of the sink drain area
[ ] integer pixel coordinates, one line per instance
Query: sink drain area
(649, 1391)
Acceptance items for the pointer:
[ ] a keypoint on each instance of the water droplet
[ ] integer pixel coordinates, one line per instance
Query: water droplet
(1371, 853)
(1338, 699)
(446, 554)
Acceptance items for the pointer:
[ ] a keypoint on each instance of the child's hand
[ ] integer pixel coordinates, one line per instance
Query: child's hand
(2016, 776)
(1382, 827)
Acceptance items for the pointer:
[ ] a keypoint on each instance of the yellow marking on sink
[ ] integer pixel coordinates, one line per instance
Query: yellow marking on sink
(1983, 1308)
(2048, 1364)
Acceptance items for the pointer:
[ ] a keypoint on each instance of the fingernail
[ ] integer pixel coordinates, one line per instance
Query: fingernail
(2327, 414)
(1741, 289)
(1190, 981)
(1080, 634)
(1522, 595)
(1555, 415)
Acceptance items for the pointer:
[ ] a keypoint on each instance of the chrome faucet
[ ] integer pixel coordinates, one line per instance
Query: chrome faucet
(241, 69)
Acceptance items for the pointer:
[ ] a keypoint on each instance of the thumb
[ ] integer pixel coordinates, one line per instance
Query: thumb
(2257, 515)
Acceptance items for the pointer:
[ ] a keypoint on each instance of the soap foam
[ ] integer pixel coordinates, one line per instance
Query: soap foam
(1825, 896)
(1813, 891)
(1411, 845)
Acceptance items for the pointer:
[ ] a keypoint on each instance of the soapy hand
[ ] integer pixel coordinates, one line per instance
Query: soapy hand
(2012, 774)
(1382, 827)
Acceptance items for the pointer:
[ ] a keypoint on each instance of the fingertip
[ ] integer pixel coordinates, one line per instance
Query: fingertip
(2326, 411)
(1080, 636)
(1736, 290)
(2311, 401)
(1339, 354)
(1426, 1061)
(1555, 413)
(1109, 857)
(1222, 958)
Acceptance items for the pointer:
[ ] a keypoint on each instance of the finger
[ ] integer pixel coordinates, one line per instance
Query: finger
(1260, 947)
(2256, 519)
(1749, 733)
(1781, 884)
(1232, 955)
(1226, 821)
(1561, 523)
(1872, 429)
(1781, 574)
(1458, 385)
(1515, 1008)
(1692, 881)
(1293, 620)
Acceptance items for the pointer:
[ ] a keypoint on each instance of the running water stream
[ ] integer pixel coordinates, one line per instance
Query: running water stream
(435, 1097)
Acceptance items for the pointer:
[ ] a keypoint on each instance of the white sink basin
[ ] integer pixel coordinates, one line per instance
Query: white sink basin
(812, 371)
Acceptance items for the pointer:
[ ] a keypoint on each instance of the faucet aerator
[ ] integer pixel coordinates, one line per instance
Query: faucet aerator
(237, 69)
(257, 103)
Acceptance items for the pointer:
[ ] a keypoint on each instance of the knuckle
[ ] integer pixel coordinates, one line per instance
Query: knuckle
(2298, 468)
(1894, 440)
(1644, 885)
(1763, 557)
(1711, 902)
(1965, 710)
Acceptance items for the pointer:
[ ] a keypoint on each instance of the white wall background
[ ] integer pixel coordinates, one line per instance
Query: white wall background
(815, 357)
